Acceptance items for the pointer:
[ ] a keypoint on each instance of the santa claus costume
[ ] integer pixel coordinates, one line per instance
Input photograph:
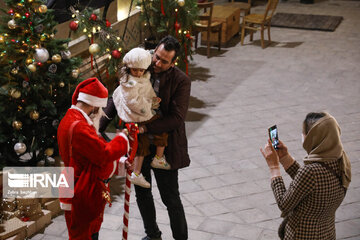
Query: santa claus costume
(93, 159)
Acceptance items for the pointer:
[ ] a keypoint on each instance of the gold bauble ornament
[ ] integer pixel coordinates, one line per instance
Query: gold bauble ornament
(61, 84)
(181, 3)
(17, 15)
(49, 152)
(43, 37)
(17, 125)
(29, 61)
(20, 5)
(56, 58)
(14, 71)
(94, 48)
(12, 24)
(31, 67)
(2, 39)
(34, 115)
(43, 8)
(15, 93)
(75, 73)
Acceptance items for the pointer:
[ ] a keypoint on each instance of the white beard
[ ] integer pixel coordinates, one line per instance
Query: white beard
(96, 119)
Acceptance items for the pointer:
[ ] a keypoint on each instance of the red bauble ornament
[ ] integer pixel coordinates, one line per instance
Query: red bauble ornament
(11, 12)
(73, 25)
(188, 35)
(116, 54)
(108, 24)
(93, 17)
(39, 64)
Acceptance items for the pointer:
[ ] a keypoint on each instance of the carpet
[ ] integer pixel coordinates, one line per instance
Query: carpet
(306, 21)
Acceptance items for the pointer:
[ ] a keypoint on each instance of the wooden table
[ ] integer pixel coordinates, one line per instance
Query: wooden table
(230, 17)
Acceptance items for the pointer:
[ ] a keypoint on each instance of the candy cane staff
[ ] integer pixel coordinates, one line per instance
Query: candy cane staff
(93, 159)
(133, 132)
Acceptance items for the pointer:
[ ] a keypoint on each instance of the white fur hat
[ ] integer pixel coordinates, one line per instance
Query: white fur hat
(137, 58)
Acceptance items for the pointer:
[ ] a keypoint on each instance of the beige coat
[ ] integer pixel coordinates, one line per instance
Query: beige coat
(133, 98)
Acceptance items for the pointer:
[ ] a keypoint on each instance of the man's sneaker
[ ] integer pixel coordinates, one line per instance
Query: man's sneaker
(139, 180)
(160, 163)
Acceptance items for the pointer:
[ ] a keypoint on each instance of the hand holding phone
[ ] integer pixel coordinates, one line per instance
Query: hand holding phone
(274, 136)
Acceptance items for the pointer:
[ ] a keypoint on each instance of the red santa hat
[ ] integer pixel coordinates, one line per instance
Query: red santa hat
(92, 92)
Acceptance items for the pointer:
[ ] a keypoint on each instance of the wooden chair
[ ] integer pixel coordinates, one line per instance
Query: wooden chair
(255, 22)
(205, 24)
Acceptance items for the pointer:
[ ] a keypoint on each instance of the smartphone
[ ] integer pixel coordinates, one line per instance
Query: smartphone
(274, 136)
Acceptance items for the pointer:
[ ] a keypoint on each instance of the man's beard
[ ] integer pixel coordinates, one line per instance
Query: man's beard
(95, 117)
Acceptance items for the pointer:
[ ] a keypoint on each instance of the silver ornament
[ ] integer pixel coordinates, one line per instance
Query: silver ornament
(66, 54)
(55, 123)
(53, 68)
(25, 84)
(12, 24)
(20, 148)
(41, 55)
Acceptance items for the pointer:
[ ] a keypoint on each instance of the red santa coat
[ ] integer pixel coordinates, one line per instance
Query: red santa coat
(90, 153)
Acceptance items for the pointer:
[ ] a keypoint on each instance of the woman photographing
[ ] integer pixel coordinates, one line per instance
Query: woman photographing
(318, 188)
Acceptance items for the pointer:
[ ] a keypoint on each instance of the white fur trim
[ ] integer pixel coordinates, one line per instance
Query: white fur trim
(65, 206)
(92, 100)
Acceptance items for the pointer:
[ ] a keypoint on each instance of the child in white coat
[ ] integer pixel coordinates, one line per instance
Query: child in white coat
(135, 101)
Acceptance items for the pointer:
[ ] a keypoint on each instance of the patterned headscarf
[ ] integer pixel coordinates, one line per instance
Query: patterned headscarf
(323, 143)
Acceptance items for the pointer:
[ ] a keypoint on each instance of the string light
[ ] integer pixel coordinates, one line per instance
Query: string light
(85, 30)
(89, 35)
(94, 30)
(108, 36)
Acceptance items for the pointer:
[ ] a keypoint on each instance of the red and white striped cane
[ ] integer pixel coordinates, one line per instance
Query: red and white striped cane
(133, 132)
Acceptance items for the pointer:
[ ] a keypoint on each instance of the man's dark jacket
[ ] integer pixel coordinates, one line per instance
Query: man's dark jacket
(174, 92)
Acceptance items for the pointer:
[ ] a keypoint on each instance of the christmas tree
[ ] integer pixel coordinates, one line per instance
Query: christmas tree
(170, 17)
(36, 81)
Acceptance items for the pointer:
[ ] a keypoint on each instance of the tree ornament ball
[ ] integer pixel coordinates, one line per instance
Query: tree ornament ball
(181, 3)
(17, 125)
(66, 54)
(14, 71)
(56, 58)
(93, 17)
(20, 148)
(116, 54)
(108, 23)
(73, 25)
(15, 93)
(29, 61)
(31, 67)
(43, 8)
(41, 55)
(94, 48)
(61, 84)
(177, 26)
(34, 115)
(49, 152)
(12, 24)
(75, 73)
(2, 39)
